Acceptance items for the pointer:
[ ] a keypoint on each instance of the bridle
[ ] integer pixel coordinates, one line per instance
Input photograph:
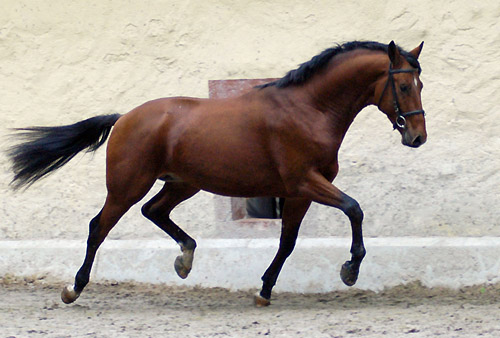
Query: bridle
(401, 118)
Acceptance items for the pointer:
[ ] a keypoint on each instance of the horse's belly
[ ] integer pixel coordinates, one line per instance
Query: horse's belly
(241, 187)
(231, 173)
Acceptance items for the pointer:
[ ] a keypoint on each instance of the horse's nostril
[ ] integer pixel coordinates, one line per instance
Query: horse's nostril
(417, 141)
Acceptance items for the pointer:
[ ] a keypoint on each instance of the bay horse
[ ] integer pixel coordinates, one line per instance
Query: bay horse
(279, 139)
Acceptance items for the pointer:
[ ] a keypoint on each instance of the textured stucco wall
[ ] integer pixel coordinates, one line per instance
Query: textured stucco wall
(62, 61)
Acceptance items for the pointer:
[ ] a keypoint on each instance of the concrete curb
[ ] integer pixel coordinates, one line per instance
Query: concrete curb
(237, 264)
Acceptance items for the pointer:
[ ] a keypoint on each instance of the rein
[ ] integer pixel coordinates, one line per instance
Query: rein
(401, 118)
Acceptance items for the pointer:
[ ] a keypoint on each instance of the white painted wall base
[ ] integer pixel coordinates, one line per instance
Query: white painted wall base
(238, 263)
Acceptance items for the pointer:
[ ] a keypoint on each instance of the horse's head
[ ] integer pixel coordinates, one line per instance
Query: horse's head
(399, 95)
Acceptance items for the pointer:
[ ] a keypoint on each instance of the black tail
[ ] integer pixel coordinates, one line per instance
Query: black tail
(45, 149)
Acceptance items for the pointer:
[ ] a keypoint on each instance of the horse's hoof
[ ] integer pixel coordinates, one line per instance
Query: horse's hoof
(261, 301)
(69, 295)
(180, 268)
(349, 275)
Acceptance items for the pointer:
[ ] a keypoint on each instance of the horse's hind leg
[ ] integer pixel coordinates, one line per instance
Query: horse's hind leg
(117, 203)
(158, 211)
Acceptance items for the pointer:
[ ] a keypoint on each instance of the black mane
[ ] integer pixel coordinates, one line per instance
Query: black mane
(308, 69)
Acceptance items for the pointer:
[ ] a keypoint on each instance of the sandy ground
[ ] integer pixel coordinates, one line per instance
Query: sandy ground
(31, 308)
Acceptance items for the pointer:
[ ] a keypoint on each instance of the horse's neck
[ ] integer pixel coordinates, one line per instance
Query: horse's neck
(347, 87)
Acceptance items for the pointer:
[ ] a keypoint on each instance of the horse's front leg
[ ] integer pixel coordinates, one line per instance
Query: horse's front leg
(320, 190)
(350, 269)
(293, 213)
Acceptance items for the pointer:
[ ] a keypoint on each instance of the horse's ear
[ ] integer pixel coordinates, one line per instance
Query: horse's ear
(416, 52)
(394, 55)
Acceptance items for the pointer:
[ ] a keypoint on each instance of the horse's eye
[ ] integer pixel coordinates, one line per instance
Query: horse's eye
(404, 88)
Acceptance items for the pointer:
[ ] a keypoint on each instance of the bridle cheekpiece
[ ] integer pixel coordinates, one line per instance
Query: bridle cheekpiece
(401, 116)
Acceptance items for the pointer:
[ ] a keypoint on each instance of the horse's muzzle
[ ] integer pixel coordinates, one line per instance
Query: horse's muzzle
(413, 140)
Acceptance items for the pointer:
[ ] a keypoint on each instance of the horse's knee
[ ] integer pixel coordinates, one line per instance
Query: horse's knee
(353, 210)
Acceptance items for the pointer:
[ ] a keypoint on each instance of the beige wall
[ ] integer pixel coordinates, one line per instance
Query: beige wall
(62, 61)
